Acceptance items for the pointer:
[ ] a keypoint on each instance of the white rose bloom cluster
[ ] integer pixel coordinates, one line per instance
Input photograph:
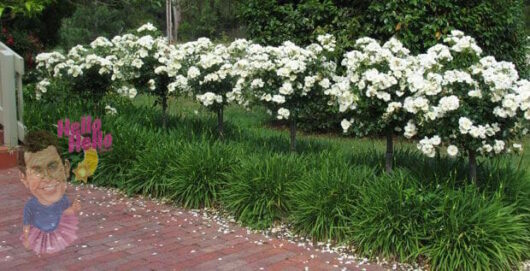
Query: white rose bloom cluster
(41, 88)
(450, 96)
(328, 42)
(210, 71)
(96, 61)
(146, 27)
(461, 42)
(466, 105)
(281, 77)
(110, 110)
(375, 80)
(428, 145)
(523, 97)
(283, 113)
(209, 98)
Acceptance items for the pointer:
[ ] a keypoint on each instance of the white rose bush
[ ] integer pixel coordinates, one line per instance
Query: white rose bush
(374, 89)
(87, 70)
(284, 78)
(449, 98)
(469, 104)
(210, 74)
(143, 66)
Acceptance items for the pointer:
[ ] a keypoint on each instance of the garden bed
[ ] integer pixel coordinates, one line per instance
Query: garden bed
(331, 189)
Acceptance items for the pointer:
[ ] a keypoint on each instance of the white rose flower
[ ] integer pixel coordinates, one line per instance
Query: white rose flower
(283, 113)
(279, 99)
(151, 84)
(325, 83)
(345, 125)
(193, 72)
(452, 150)
(435, 140)
(449, 103)
(132, 93)
(517, 147)
(110, 110)
(499, 146)
(286, 88)
(465, 125)
(410, 130)
(257, 83)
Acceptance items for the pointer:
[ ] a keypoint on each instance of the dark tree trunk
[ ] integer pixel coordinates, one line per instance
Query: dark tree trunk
(220, 126)
(293, 134)
(473, 166)
(164, 112)
(389, 151)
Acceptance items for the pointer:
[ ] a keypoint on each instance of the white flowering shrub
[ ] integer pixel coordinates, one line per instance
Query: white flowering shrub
(208, 73)
(373, 90)
(470, 104)
(144, 65)
(88, 70)
(284, 78)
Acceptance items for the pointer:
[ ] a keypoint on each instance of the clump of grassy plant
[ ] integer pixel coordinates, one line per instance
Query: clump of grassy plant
(201, 172)
(257, 192)
(393, 217)
(476, 232)
(326, 198)
(154, 170)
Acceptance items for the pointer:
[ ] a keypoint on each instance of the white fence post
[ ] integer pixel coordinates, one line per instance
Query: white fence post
(11, 112)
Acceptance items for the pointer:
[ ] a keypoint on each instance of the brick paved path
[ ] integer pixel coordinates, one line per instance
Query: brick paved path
(121, 233)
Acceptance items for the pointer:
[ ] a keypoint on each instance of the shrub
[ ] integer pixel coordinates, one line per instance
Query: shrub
(91, 20)
(324, 200)
(155, 169)
(475, 232)
(373, 90)
(284, 78)
(257, 192)
(498, 27)
(479, 102)
(128, 142)
(212, 79)
(393, 217)
(201, 172)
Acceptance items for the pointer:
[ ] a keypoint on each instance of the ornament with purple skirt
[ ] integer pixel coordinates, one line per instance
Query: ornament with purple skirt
(50, 220)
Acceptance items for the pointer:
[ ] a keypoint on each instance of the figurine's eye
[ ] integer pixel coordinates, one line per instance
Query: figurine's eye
(53, 166)
(38, 171)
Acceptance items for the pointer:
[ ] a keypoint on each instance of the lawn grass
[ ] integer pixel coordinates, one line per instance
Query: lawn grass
(257, 120)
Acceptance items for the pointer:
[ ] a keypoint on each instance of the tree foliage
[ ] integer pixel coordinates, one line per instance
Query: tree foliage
(27, 8)
(497, 25)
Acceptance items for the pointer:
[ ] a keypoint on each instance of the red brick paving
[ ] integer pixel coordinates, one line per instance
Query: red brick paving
(121, 233)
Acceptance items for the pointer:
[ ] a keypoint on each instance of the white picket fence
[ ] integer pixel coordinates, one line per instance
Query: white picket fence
(11, 101)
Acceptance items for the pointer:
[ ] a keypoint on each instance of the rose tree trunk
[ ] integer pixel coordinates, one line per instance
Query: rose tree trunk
(389, 152)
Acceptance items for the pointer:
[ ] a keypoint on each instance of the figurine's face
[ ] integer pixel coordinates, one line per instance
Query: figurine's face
(45, 175)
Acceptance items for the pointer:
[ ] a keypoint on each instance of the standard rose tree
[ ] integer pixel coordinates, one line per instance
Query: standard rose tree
(211, 76)
(284, 78)
(373, 89)
(473, 105)
(88, 71)
(143, 65)
(50, 221)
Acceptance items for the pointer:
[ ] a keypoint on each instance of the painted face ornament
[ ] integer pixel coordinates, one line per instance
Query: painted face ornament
(50, 221)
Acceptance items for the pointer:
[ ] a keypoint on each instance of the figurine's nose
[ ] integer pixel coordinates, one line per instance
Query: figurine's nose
(47, 176)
